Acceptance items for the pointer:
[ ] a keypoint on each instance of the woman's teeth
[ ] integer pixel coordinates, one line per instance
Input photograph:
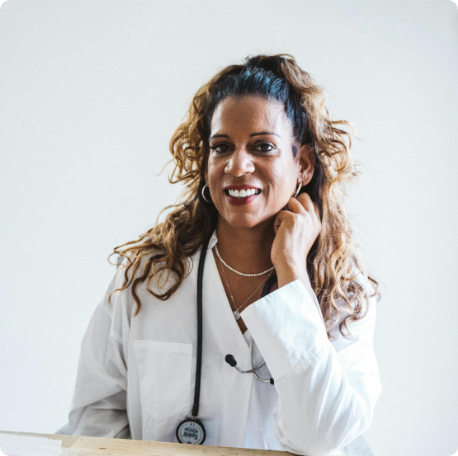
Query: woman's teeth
(243, 193)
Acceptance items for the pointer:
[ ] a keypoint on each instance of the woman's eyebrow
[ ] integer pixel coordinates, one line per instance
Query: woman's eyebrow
(252, 134)
(265, 133)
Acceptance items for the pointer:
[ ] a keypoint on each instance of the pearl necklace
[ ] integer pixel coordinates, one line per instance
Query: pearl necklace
(236, 312)
(238, 272)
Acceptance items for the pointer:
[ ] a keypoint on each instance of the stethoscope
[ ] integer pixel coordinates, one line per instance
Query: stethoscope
(232, 362)
(192, 430)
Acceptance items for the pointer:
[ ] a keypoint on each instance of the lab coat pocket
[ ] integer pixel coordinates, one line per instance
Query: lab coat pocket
(164, 370)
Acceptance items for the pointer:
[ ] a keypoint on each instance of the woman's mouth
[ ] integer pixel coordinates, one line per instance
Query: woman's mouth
(241, 197)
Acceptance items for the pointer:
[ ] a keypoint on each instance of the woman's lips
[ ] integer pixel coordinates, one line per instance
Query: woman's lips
(240, 201)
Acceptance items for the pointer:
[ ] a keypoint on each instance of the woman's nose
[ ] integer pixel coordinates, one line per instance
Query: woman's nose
(239, 163)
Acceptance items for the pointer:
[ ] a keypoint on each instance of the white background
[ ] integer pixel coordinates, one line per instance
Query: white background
(90, 94)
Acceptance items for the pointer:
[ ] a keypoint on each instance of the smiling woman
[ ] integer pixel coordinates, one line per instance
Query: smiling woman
(255, 152)
(252, 149)
(264, 168)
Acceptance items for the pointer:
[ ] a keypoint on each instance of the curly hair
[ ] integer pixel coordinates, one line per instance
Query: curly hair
(334, 263)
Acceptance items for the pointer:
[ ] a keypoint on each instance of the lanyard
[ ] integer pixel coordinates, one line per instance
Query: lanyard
(192, 430)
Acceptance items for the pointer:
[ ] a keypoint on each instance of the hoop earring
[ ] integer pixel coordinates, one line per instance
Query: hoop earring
(298, 189)
(203, 194)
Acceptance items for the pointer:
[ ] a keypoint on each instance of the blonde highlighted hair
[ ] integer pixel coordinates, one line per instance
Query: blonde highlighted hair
(335, 265)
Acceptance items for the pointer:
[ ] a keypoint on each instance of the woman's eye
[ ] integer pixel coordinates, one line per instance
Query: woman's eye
(223, 148)
(220, 148)
(264, 147)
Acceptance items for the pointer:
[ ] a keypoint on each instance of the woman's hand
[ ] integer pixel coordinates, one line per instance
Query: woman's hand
(296, 228)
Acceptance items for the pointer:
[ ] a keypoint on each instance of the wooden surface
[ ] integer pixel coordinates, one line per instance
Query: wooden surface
(98, 446)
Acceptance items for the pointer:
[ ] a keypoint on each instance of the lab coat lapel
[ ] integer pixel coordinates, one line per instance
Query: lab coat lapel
(220, 315)
(225, 392)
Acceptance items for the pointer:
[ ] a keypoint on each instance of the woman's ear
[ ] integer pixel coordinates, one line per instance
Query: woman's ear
(306, 163)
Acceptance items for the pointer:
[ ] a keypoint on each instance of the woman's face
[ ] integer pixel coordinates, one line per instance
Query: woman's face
(251, 148)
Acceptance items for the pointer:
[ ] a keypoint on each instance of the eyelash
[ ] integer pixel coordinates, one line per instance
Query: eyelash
(260, 143)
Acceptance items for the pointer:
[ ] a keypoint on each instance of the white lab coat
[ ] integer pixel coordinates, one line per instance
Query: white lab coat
(136, 375)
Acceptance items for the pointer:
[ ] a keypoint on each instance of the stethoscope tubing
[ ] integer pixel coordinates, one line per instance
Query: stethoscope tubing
(200, 274)
(253, 369)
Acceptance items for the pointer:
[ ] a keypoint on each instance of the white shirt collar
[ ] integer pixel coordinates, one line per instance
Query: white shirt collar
(213, 241)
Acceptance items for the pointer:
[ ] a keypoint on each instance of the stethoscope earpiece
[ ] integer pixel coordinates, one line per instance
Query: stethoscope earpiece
(233, 363)
(230, 360)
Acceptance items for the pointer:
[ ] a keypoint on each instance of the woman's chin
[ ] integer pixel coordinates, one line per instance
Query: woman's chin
(247, 221)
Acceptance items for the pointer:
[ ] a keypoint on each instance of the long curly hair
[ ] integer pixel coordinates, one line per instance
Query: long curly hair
(334, 263)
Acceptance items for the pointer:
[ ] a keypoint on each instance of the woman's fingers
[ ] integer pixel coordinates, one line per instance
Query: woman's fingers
(296, 206)
(284, 214)
(306, 202)
(296, 228)
(303, 202)
(301, 205)
(281, 217)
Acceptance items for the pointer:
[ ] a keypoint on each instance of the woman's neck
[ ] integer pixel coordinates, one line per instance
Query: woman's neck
(246, 249)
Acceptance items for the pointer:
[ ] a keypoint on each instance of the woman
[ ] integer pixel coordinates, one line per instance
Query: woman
(264, 169)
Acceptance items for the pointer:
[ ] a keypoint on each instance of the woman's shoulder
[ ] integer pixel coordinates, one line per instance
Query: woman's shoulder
(119, 289)
(153, 273)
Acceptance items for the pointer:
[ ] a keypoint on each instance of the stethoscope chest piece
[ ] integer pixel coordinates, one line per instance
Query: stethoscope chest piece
(192, 431)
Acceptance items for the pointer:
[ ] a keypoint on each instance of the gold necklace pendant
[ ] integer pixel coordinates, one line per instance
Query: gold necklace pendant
(236, 312)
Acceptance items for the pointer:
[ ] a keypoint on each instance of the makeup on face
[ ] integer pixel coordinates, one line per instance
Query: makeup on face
(251, 170)
(238, 195)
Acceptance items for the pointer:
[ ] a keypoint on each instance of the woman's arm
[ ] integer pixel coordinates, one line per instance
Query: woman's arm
(99, 401)
(326, 391)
